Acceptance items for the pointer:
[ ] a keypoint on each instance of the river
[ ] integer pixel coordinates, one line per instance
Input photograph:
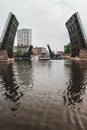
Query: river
(43, 95)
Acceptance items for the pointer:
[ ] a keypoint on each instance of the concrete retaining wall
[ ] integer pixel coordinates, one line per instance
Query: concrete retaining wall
(3, 55)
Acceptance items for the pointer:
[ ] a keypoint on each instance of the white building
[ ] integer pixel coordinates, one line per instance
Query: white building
(24, 37)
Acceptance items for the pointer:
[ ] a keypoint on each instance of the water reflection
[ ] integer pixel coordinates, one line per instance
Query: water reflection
(76, 86)
(9, 83)
(25, 73)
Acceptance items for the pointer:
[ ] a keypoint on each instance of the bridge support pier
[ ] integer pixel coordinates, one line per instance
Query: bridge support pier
(83, 54)
(3, 55)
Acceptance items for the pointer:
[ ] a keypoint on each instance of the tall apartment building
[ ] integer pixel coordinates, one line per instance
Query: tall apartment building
(76, 34)
(24, 37)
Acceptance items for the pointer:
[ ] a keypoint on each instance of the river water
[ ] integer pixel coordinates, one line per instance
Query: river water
(43, 95)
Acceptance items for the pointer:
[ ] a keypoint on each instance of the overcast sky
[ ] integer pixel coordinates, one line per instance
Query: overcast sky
(46, 18)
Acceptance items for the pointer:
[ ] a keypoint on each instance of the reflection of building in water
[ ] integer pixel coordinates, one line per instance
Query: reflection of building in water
(9, 83)
(25, 73)
(76, 86)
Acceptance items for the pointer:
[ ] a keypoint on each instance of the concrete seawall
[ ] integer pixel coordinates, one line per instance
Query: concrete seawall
(4, 56)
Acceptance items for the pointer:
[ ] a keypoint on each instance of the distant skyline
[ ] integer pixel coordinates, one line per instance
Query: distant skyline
(46, 19)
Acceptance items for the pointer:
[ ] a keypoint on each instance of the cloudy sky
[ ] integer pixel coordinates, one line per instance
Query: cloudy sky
(46, 18)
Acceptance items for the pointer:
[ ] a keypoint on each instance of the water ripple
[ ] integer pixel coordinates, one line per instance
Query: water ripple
(47, 95)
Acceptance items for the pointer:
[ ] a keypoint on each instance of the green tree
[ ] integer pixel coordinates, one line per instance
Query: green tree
(18, 53)
(67, 48)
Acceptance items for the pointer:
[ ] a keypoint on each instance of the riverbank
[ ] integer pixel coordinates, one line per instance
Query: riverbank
(74, 58)
(8, 60)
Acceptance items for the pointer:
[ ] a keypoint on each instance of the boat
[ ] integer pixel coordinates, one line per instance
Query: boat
(44, 57)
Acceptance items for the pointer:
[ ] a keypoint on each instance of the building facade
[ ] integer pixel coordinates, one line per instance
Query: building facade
(76, 34)
(24, 38)
(38, 50)
(8, 35)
